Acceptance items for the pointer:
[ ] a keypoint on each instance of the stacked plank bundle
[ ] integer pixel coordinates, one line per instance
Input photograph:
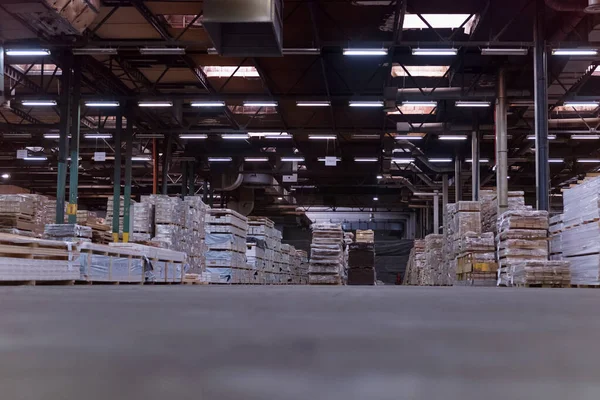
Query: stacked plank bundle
(226, 243)
(463, 218)
(110, 213)
(68, 232)
(326, 254)
(366, 236)
(416, 264)
(580, 237)
(489, 207)
(143, 222)
(434, 272)
(302, 257)
(194, 233)
(21, 214)
(476, 264)
(361, 264)
(523, 245)
(556, 228)
(262, 241)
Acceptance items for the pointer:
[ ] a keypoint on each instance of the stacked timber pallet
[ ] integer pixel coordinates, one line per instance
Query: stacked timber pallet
(168, 222)
(262, 240)
(361, 264)
(365, 236)
(536, 273)
(434, 271)
(256, 259)
(143, 222)
(302, 266)
(68, 232)
(555, 230)
(489, 207)
(226, 243)
(194, 233)
(326, 265)
(476, 263)
(21, 214)
(416, 264)
(110, 213)
(463, 218)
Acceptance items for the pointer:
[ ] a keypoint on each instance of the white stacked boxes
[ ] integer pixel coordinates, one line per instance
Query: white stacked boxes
(327, 254)
(227, 228)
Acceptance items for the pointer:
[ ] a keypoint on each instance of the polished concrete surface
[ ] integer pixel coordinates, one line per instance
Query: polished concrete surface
(280, 343)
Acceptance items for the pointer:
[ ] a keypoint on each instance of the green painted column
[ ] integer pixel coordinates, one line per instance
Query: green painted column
(117, 177)
(63, 141)
(75, 130)
(127, 192)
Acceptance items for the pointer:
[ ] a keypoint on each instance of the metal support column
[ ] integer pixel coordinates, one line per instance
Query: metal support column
(457, 179)
(75, 130)
(117, 177)
(63, 141)
(2, 94)
(154, 167)
(475, 167)
(436, 212)
(501, 145)
(184, 179)
(205, 191)
(166, 163)
(192, 178)
(127, 191)
(445, 201)
(540, 55)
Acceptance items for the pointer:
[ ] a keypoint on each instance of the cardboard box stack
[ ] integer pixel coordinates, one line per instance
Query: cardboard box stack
(226, 244)
(326, 266)
(416, 264)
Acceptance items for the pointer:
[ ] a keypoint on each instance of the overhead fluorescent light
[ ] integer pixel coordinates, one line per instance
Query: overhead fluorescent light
(313, 103)
(52, 136)
(497, 51)
(575, 52)
(322, 137)
(585, 137)
(472, 104)
(366, 103)
(219, 159)
(155, 104)
(162, 50)
(419, 70)
(302, 51)
(193, 136)
(5, 176)
(440, 160)
(365, 52)
(588, 160)
(324, 159)
(98, 136)
(410, 136)
(434, 52)
(150, 135)
(550, 137)
(420, 103)
(365, 136)
(208, 104)
(35, 158)
(402, 160)
(292, 159)
(256, 159)
(235, 136)
(493, 137)
(39, 103)
(366, 159)
(27, 52)
(260, 104)
(481, 160)
(90, 51)
(452, 137)
(230, 71)
(282, 135)
(101, 104)
(555, 160)
(576, 104)
(141, 158)
(379, 177)
(375, 198)
(13, 135)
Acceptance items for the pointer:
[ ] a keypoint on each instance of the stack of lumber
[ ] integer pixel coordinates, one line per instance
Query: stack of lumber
(326, 265)
(434, 272)
(226, 243)
(161, 265)
(539, 273)
(555, 230)
(476, 263)
(365, 236)
(143, 222)
(415, 265)
(168, 221)
(580, 236)
(462, 219)
(37, 260)
(303, 266)
(21, 214)
(68, 232)
(256, 259)
(489, 207)
(361, 263)
(110, 213)
(194, 233)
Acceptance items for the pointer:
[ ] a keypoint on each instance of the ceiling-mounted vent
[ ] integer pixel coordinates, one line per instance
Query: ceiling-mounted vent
(245, 28)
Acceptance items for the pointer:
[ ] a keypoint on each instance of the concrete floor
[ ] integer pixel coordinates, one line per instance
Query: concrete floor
(280, 343)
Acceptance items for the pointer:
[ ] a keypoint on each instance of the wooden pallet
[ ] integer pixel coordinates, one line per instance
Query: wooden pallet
(586, 286)
(38, 283)
(541, 285)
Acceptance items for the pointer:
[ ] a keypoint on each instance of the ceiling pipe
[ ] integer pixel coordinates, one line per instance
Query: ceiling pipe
(424, 177)
(568, 6)
(453, 93)
(419, 155)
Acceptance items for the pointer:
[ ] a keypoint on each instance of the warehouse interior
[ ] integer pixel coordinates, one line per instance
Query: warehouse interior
(342, 179)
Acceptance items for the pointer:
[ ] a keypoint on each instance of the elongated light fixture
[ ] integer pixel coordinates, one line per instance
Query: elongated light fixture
(35, 158)
(555, 160)
(408, 137)
(440, 160)
(434, 52)
(581, 104)
(402, 160)
(481, 160)
(256, 159)
(193, 136)
(141, 158)
(39, 103)
(149, 104)
(366, 103)
(162, 50)
(365, 52)
(585, 137)
(219, 159)
(324, 159)
(90, 51)
(366, 159)
(574, 52)
(472, 104)
(260, 104)
(98, 136)
(302, 51)
(27, 52)
(281, 135)
(498, 51)
(235, 136)
(550, 137)
(101, 104)
(150, 135)
(53, 136)
(292, 159)
(208, 104)
(588, 160)
(322, 137)
(313, 103)
(452, 137)
(420, 103)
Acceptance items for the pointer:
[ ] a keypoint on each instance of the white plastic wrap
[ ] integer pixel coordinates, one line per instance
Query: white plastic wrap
(581, 203)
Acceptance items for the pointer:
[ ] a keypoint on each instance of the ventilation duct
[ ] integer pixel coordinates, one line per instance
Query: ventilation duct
(55, 17)
(245, 28)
